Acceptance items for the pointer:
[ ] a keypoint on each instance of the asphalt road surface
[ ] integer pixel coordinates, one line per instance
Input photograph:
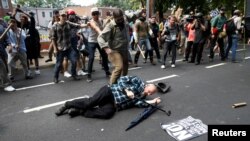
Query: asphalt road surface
(206, 92)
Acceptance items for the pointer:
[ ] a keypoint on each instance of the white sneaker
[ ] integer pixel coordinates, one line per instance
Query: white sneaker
(9, 89)
(67, 74)
(163, 66)
(173, 65)
(37, 72)
(80, 72)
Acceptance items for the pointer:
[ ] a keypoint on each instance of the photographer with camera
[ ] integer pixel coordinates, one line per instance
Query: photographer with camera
(189, 28)
(199, 26)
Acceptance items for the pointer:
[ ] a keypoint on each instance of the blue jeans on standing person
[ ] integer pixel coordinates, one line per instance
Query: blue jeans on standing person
(233, 45)
(148, 49)
(71, 55)
(91, 48)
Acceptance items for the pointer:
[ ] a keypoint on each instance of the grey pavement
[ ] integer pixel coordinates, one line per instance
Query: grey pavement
(206, 92)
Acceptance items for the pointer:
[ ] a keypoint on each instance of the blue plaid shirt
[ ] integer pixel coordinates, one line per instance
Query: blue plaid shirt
(132, 83)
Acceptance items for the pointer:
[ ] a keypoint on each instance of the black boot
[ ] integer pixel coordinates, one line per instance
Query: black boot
(61, 111)
(136, 58)
(152, 60)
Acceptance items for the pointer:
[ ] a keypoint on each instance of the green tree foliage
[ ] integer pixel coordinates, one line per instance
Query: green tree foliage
(43, 3)
(161, 6)
(123, 4)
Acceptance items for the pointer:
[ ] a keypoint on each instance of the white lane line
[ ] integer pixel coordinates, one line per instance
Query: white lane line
(162, 78)
(179, 60)
(212, 66)
(35, 86)
(247, 57)
(241, 49)
(135, 68)
(51, 105)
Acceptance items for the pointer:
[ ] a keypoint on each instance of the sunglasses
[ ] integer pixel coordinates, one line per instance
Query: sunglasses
(95, 13)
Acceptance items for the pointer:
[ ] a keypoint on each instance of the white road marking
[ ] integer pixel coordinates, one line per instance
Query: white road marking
(179, 60)
(162, 78)
(35, 86)
(51, 105)
(212, 66)
(247, 57)
(135, 68)
(241, 49)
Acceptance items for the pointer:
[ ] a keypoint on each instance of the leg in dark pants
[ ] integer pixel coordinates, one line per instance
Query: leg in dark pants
(103, 98)
(188, 49)
(199, 53)
(137, 55)
(105, 111)
(229, 45)
(212, 45)
(72, 55)
(221, 46)
(59, 59)
(91, 49)
(104, 58)
(194, 51)
(173, 49)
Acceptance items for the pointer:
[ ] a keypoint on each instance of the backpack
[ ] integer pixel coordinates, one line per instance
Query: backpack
(230, 27)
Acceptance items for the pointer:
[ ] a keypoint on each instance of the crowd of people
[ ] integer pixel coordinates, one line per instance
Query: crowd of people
(75, 39)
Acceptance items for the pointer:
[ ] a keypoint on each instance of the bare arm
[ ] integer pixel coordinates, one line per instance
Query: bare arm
(154, 101)
(96, 28)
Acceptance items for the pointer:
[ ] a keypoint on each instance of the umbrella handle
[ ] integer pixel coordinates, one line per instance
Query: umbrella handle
(168, 113)
(6, 30)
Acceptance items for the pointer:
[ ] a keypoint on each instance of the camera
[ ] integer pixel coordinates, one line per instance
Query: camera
(190, 19)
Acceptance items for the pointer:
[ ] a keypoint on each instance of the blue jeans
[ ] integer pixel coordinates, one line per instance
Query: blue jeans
(71, 55)
(233, 45)
(146, 43)
(91, 48)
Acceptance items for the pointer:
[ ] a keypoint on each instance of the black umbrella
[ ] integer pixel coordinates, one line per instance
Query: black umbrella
(145, 114)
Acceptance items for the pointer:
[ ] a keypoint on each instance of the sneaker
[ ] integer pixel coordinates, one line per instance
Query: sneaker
(153, 63)
(56, 80)
(173, 65)
(48, 60)
(185, 60)
(108, 74)
(159, 61)
(163, 66)
(235, 61)
(89, 79)
(75, 78)
(81, 72)
(197, 63)
(37, 72)
(9, 89)
(211, 59)
(28, 77)
(40, 56)
(67, 74)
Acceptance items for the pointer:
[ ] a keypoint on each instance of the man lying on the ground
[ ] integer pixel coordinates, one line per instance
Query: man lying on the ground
(109, 99)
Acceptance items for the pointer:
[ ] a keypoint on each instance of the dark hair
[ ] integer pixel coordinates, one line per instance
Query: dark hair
(117, 13)
(55, 12)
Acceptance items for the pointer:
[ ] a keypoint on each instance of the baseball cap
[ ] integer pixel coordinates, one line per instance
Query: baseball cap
(62, 12)
(94, 9)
